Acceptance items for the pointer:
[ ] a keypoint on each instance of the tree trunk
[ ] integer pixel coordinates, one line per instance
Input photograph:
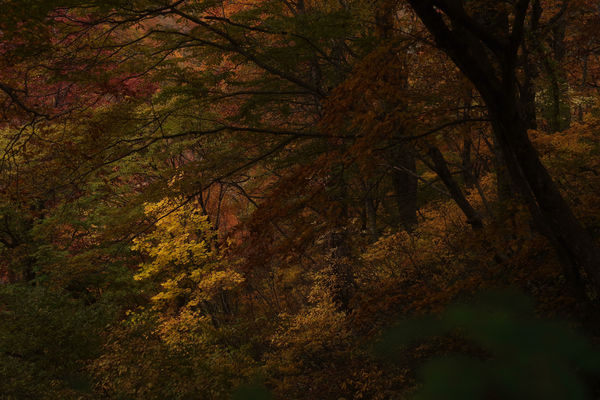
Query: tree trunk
(558, 109)
(469, 174)
(553, 216)
(405, 184)
(490, 62)
(441, 168)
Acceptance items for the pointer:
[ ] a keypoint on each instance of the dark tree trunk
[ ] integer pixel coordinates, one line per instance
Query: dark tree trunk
(441, 168)
(469, 174)
(405, 183)
(489, 61)
(505, 188)
(558, 110)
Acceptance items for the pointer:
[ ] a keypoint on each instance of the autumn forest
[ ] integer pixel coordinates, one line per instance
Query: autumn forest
(300, 199)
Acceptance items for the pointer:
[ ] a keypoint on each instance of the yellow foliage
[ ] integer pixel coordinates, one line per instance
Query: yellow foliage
(184, 258)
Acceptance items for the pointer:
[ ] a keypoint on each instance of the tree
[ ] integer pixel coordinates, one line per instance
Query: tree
(493, 57)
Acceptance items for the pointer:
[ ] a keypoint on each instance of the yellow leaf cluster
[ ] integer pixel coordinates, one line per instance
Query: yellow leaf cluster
(183, 255)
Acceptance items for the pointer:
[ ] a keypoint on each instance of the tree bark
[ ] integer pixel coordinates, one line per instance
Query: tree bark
(558, 109)
(405, 184)
(441, 168)
(489, 61)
